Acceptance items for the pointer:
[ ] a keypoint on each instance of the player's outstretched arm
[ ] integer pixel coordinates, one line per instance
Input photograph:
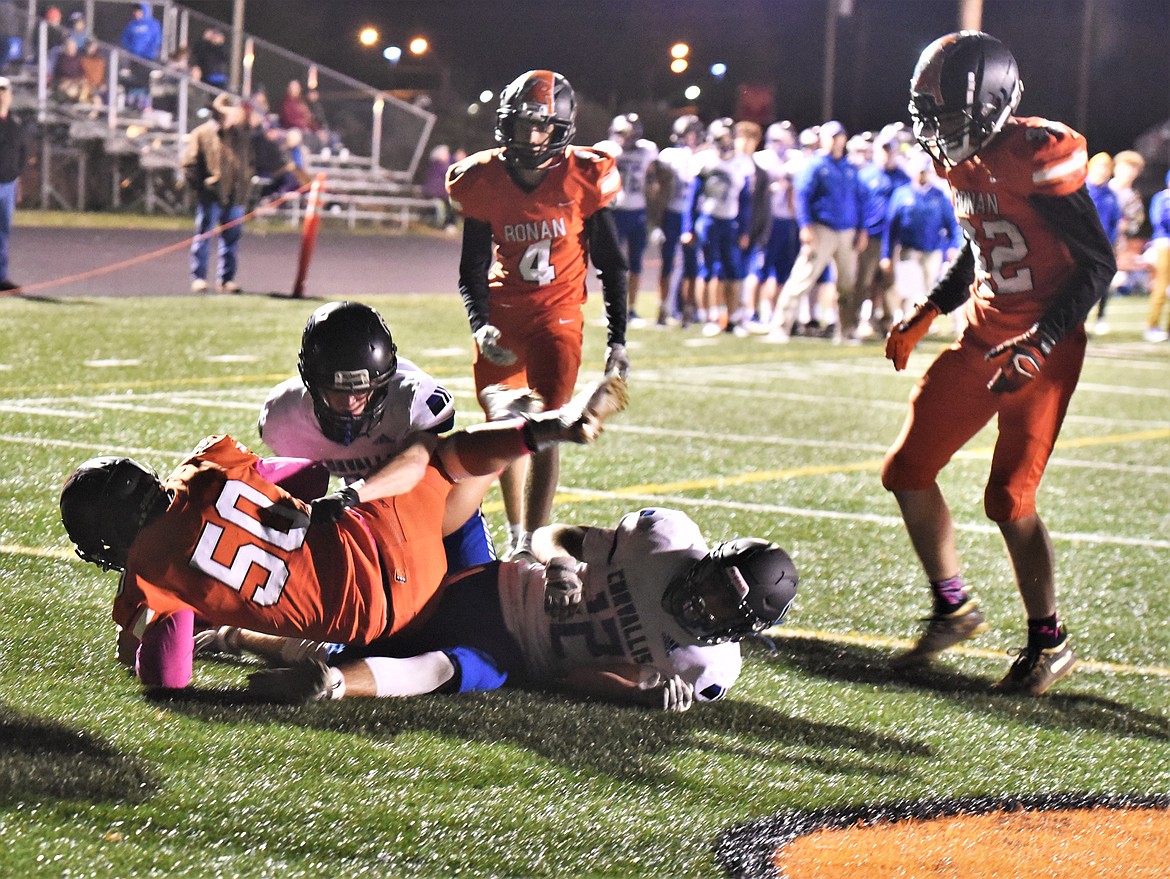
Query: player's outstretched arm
(630, 683)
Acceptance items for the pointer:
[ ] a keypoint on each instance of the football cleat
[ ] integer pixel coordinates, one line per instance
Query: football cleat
(1038, 668)
(503, 402)
(942, 632)
(580, 420)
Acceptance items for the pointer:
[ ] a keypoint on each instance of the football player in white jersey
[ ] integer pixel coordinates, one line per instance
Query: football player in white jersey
(642, 613)
(356, 404)
(635, 162)
(719, 219)
(676, 167)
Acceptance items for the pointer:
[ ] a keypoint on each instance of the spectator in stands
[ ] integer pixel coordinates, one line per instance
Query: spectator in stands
(294, 109)
(56, 35)
(69, 82)
(278, 171)
(142, 36)
(95, 69)
(78, 29)
(13, 156)
(218, 164)
(209, 58)
(325, 135)
(434, 185)
(11, 45)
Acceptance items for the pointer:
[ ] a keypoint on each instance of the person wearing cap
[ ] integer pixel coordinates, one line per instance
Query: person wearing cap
(218, 164)
(13, 156)
(831, 206)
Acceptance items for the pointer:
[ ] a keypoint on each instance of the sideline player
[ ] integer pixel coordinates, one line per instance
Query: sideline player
(535, 213)
(676, 169)
(636, 157)
(1034, 263)
(640, 613)
(222, 538)
(356, 404)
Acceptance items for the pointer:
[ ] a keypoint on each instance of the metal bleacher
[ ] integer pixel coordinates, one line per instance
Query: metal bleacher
(134, 146)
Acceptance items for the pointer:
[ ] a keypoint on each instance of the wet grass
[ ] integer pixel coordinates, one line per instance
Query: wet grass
(780, 442)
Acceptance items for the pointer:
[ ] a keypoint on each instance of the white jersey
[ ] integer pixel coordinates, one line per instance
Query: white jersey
(724, 180)
(414, 402)
(781, 195)
(682, 164)
(625, 574)
(633, 166)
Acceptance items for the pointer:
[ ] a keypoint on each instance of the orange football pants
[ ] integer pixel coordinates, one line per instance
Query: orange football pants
(547, 344)
(951, 403)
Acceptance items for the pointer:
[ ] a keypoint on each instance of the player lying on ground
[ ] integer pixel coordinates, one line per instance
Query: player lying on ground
(222, 539)
(641, 613)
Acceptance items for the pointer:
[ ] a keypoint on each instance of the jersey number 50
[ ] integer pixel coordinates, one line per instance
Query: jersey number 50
(244, 552)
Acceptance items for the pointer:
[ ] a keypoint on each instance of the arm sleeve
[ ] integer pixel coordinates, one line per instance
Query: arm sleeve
(474, 262)
(954, 287)
(1075, 219)
(607, 256)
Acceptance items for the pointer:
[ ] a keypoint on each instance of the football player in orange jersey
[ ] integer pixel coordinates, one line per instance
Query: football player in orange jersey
(222, 538)
(535, 212)
(1034, 263)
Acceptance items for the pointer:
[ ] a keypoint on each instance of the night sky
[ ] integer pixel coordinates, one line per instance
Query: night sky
(615, 52)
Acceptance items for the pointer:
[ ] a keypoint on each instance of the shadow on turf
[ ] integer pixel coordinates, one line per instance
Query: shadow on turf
(622, 741)
(1059, 709)
(43, 760)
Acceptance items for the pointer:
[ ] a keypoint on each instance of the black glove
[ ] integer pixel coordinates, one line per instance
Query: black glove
(329, 509)
(1019, 360)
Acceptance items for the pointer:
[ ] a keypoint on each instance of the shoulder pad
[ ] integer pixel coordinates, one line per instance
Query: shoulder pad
(457, 171)
(1059, 156)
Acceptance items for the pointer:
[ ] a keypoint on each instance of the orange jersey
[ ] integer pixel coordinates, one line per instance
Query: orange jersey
(541, 247)
(1021, 263)
(240, 550)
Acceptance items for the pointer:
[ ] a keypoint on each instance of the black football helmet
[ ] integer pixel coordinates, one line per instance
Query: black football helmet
(964, 88)
(540, 97)
(105, 503)
(687, 127)
(346, 347)
(739, 588)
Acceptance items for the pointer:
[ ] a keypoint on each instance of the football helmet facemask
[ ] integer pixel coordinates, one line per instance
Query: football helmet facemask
(965, 86)
(347, 348)
(105, 503)
(539, 97)
(741, 587)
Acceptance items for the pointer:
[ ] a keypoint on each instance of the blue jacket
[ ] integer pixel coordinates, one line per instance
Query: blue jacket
(143, 36)
(881, 183)
(920, 219)
(1108, 208)
(830, 192)
(1160, 212)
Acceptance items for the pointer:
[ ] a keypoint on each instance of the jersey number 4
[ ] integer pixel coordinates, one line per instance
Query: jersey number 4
(251, 545)
(536, 263)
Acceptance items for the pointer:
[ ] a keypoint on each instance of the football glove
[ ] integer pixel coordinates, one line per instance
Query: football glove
(1019, 360)
(677, 694)
(220, 640)
(309, 681)
(905, 336)
(617, 360)
(562, 587)
(329, 509)
(487, 340)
